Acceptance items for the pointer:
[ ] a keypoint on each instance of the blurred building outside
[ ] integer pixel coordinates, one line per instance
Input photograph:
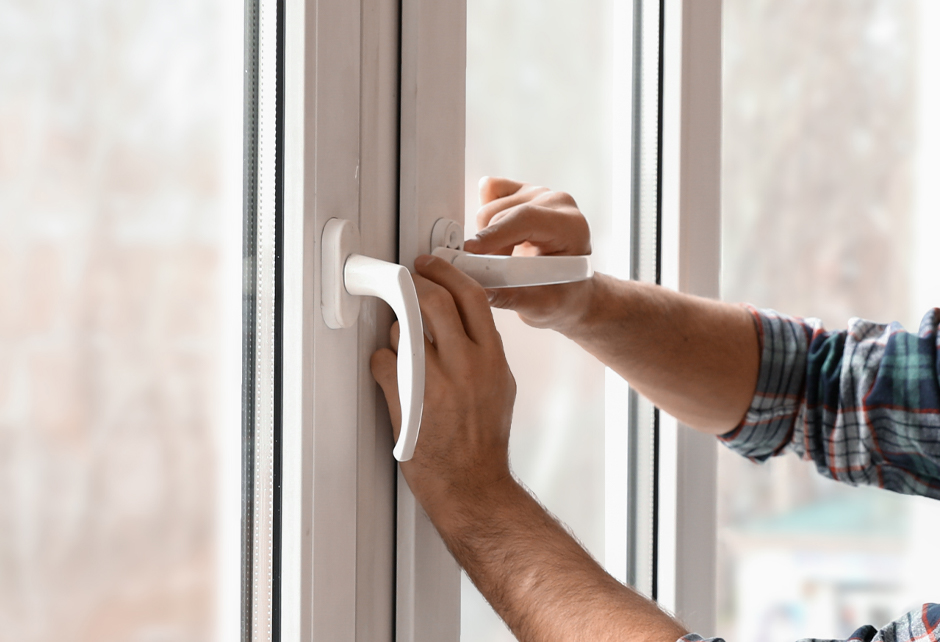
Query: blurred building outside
(120, 166)
(829, 189)
(540, 113)
(120, 243)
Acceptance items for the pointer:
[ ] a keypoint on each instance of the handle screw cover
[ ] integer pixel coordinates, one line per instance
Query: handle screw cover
(447, 233)
(340, 240)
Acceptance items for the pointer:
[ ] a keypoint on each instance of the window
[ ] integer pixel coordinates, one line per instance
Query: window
(829, 201)
(542, 113)
(378, 140)
(166, 173)
(120, 226)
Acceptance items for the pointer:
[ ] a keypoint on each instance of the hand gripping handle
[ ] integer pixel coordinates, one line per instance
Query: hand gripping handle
(492, 271)
(345, 275)
(393, 284)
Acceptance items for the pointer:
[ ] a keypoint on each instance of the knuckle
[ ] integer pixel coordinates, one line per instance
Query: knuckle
(564, 198)
(525, 213)
(476, 296)
(437, 299)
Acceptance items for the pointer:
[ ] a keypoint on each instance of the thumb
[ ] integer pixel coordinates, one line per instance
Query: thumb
(385, 370)
(503, 298)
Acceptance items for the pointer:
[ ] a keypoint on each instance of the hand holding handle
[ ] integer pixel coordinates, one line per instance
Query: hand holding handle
(492, 271)
(345, 276)
(393, 284)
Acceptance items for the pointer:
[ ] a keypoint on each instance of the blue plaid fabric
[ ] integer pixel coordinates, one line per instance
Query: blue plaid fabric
(864, 405)
(920, 625)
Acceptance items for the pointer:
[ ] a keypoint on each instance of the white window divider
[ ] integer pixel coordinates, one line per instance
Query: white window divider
(691, 260)
(433, 132)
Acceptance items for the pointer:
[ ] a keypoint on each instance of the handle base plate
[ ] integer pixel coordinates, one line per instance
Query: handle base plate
(340, 239)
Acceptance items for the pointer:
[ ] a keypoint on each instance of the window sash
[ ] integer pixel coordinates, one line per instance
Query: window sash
(321, 141)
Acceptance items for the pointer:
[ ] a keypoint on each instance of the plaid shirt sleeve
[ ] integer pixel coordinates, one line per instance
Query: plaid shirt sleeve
(863, 404)
(920, 625)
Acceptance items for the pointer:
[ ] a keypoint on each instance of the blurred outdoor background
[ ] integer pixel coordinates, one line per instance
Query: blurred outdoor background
(120, 232)
(831, 208)
(830, 198)
(539, 110)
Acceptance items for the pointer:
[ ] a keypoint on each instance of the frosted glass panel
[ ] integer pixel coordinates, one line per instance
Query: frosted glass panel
(829, 192)
(120, 219)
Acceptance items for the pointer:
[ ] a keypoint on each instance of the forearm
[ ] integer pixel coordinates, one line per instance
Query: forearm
(543, 584)
(695, 358)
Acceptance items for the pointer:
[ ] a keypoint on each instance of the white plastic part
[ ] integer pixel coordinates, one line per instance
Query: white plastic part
(340, 239)
(493, 271)
(447, 233)
(345, 277)
(393, 284)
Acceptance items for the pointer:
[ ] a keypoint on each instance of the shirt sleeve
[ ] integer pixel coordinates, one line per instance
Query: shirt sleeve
(919, 625)
(863, 403)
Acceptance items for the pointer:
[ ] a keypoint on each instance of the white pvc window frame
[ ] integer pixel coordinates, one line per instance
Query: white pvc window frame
(373, 107)
(661, 483)
(691, 263)
(373, 122)
(340, 160)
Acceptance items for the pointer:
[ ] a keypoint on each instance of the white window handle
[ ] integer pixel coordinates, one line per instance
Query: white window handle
(345, 277)
(492, 271)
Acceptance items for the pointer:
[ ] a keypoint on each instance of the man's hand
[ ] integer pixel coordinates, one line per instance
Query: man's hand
(524, 220)
(537, 577)
(462, 452)
(695, 358)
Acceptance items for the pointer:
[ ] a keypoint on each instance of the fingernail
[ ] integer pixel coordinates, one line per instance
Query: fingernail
(423, 260)
(490, 296)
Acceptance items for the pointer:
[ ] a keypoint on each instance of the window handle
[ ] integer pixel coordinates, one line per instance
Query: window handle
(493, 271)
(345, 277)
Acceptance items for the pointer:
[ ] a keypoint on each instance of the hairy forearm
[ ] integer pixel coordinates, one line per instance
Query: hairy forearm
(695, 358)
(542, 583)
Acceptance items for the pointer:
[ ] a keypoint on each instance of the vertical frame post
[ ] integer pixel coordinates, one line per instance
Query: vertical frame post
(259, 425)
(340, 160)
(641, 467)
(691, 261)
(433, 132)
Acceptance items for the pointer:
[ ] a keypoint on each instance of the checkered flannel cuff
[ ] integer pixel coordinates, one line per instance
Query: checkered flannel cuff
(768, 426)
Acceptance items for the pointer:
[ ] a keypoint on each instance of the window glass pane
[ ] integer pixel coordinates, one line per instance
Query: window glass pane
(120, 224)
(538, 110)
(828, 187)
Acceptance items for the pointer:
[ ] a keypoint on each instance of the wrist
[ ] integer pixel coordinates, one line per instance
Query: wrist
(587, 309)
(457, 513)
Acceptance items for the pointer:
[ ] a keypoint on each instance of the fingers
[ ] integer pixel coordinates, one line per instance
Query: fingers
(439, 312)
(394, 335)
(545, 227)
(468, 298)
(523, 194)
(384, 366)
(492, 188)
(504, 298)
